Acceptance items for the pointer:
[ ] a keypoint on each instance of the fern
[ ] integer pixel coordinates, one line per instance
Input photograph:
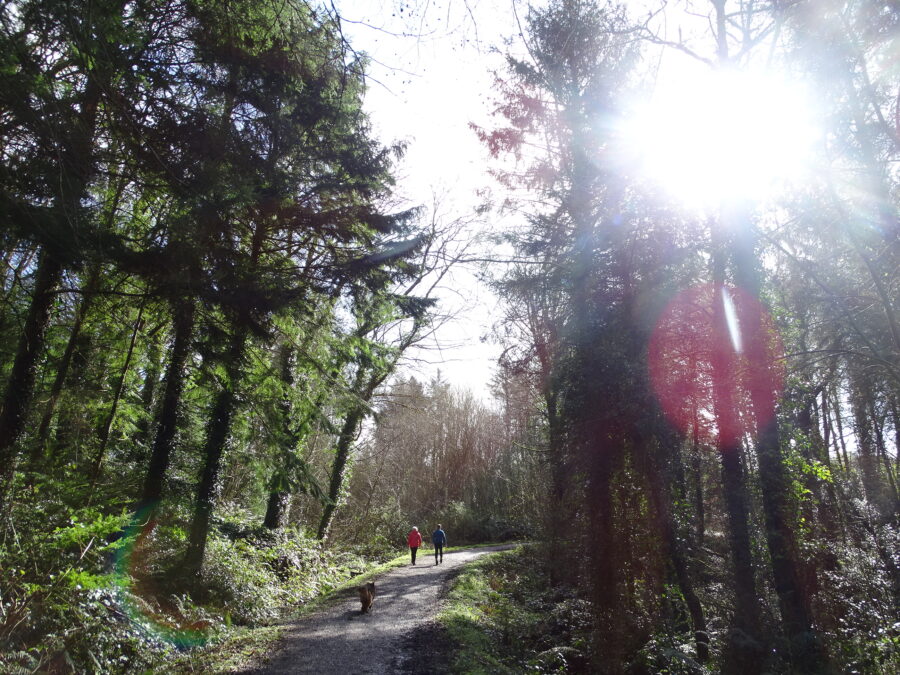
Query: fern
(19, 663)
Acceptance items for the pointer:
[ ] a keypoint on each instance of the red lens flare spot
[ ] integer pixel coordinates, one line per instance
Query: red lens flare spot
(716, 363)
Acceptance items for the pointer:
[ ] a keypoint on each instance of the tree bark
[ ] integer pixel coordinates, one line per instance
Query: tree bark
(873, 485)
(76, 167)
(279, 498)
(696, 470)
(745, 648)
(276, 509)
(842, 441)
(89, 293)
(62, 371)
(806, 653)
(106, 429)
(20, 386)
(167, 424)
(217, 433)
(364, 386)
(348, 434)
(895, 416)
(661, 499)
(881, 449)
(148, 390)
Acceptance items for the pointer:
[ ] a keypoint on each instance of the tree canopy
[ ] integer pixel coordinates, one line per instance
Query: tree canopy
(210, 289)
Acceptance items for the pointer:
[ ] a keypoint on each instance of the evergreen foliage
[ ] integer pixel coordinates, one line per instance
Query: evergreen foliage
(206, 281)
(207, 290)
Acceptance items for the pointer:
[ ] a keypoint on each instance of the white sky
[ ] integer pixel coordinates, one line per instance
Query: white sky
(430, 76)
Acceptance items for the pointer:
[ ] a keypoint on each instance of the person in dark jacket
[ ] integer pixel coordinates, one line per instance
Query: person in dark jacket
(414, 539)
(439, 539)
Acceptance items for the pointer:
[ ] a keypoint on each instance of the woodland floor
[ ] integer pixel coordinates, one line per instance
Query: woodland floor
(398, 635)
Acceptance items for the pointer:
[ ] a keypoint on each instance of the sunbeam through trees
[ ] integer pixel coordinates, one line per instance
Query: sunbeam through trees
(222, 316)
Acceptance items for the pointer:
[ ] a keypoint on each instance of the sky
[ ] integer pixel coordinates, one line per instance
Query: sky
(430, 75)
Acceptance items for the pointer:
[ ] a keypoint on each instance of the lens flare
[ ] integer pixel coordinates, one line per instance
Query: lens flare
(731, 318)
(140, 600)
(686, 344)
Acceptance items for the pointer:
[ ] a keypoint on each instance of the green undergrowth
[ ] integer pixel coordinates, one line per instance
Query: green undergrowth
(87, 593)
(240, 646)
(505, 617)
(84, 590)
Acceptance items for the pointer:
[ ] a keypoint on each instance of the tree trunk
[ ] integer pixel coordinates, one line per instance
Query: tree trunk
(276, 509)
(873, 485)
(745, 637)
(148, 391)
(822, 490)
(76, 169)
(697, 471)
(596, 448)
(807, 654)
(895, 416)
(14, 277)
(661, 499)
(106, 429)
(364, 385)
(278, 497)
(62, 371)
(347, 435)
(745, 649)
(881, 449)
(828, 432)
(89, 293)
(20, 386)
(167, 424)
(841, 445)
(217, 433)
(559, 512)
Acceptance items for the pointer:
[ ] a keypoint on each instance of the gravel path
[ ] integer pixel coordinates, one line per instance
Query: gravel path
(396, 635)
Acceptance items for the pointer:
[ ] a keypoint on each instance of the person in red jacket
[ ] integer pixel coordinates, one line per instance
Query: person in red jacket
(415, 541)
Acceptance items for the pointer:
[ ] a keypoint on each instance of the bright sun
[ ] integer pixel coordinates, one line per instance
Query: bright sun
(708, 135)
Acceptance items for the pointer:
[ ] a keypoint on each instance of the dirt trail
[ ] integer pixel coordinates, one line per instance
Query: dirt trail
(396, 636)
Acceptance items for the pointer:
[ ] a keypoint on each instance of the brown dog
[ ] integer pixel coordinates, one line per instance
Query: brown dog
(366, 595)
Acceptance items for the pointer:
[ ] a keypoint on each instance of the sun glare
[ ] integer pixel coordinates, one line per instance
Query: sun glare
(708, 135)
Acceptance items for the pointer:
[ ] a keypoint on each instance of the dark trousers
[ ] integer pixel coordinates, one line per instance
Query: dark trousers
(413, 549)
(438, 548)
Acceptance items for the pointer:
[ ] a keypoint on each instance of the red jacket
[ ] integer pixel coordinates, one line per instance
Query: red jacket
(414, 539)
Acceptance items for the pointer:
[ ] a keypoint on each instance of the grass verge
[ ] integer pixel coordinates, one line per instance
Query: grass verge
(505, 618)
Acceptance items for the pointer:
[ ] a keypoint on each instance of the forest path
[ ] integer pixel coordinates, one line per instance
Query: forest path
(398, 634)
